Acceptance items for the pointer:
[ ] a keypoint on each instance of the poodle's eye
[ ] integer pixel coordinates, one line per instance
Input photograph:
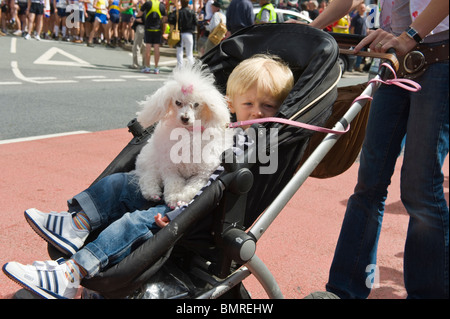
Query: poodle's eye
(178, 103)
(196, 105)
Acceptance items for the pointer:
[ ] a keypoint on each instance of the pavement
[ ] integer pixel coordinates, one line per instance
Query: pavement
(297, 248)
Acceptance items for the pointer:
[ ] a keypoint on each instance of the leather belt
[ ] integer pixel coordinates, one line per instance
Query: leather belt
(416, 62)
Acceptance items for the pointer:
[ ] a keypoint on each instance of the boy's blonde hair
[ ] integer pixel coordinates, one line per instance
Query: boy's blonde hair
(268, 72)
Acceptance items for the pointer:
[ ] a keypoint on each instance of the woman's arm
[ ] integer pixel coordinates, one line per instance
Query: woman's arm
(335, 10)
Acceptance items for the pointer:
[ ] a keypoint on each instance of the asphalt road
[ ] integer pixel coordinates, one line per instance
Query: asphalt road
(49, 87)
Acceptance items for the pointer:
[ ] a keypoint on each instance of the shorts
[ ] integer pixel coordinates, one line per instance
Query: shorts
(152, 37)
(62, 12)
(114, 17)
(90, 17)
(126, 17)
(37, 8)
(22, 8)
(102, 18)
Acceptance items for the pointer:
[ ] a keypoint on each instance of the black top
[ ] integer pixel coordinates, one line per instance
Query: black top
(152, 19)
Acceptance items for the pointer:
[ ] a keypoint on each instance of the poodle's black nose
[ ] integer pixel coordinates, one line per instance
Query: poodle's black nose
(184, 119)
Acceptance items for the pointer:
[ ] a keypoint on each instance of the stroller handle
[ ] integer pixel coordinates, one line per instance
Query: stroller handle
(346, 41)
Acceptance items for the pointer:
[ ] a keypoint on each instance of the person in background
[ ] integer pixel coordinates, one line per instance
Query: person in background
(187, 23)
(138, 43)
(313, 9)
(423, 117)
(239, 15)
(23, 17)
(101, 17)
(35, 12)
(342, 25)
(358, 26)
(90, 17)
(322, 5)
(60, 19)
(126, 16)
(267, 13)
(217, 18)
(114, 20)
(154, 13)
(293, 6)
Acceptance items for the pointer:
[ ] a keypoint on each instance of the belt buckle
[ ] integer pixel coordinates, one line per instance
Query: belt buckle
(413, 61)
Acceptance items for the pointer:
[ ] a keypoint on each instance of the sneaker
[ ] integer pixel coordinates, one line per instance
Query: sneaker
(27, 37)
(90, 44)
(156, 71)
(134, 66)
(44, 278)
(57, 229)
(37, 37)
(146, 70)
(17, 33)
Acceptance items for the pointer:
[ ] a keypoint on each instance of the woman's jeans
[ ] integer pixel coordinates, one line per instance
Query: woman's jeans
(424, 118)
(116, 204)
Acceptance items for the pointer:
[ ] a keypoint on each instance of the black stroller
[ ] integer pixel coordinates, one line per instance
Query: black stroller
(209, 249)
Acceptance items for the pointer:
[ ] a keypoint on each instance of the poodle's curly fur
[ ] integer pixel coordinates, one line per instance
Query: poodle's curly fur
(187, 106)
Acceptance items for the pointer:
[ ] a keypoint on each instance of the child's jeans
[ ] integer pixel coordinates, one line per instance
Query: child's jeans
(115, 202)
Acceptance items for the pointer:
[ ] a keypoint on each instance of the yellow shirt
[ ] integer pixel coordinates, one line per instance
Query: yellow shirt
(342, 22)
(102, 5)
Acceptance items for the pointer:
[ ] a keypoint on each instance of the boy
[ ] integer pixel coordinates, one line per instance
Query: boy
(255, 89)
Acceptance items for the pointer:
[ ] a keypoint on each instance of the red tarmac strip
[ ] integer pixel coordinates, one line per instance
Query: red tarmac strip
(297, 248)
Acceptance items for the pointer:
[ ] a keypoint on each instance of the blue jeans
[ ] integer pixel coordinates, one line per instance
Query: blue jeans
(116, 204)
(424, 118)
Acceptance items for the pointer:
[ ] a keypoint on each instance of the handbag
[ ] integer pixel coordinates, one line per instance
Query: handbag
(218, 33)
(174, 36)
(346, 150)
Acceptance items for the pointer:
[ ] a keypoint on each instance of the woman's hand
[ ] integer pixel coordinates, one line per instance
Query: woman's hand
(380, 41)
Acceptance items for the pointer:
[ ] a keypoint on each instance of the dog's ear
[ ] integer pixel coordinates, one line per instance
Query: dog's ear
(156, 106)
(218, 110)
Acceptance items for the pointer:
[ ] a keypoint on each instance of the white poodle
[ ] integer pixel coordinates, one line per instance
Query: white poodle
(188, 140)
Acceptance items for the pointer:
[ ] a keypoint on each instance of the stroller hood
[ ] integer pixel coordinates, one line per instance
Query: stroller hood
(310, 53)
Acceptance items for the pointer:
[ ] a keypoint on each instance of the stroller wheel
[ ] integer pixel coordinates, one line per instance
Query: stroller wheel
(321, 295)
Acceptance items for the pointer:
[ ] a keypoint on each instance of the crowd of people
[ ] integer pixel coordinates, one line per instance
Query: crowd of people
(121, 22)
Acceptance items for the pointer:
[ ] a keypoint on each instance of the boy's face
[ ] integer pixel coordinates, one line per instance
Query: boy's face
(251, 105)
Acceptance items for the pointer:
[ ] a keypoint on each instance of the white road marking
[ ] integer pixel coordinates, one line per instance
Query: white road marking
(10, 83)
(133, 76)
(108, 80)
(41, 137)
(46, 58)
(90, 77)
(151, 79)
(20, 76)
(13, 45)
